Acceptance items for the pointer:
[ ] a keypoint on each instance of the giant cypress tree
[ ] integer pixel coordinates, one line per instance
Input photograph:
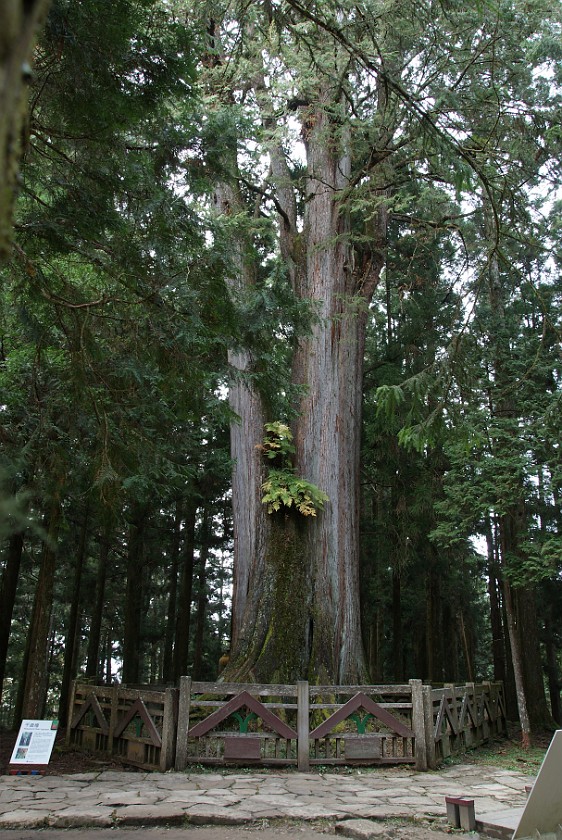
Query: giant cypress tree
(331, 111)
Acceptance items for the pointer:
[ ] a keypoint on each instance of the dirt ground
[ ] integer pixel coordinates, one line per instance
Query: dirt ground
(63, 760)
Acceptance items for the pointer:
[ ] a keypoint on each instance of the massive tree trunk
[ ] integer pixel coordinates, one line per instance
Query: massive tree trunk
(301, 617)
(296, 579)
(327, 432)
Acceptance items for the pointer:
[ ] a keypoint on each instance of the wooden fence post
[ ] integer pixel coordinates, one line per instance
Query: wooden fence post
(429, 727)
(169, 726)
(487, 724)
(470, 736)
(183, 723)
(501, 708)
(455, 735)
(113, 719)
(418, 724)
(303, 726)
(70, 713)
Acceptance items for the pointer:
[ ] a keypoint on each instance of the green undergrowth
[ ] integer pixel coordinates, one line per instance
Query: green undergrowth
(507, 754)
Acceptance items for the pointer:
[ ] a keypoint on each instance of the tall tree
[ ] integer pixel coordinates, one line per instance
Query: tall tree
(370, 102)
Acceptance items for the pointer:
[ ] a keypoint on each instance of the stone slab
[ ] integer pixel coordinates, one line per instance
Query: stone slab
(362, 829)
(162, 814)
(79, 816)
(234, 818)
(24, 819)
(499, 824)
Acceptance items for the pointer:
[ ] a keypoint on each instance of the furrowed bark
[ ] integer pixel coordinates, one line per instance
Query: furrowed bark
(20, 23)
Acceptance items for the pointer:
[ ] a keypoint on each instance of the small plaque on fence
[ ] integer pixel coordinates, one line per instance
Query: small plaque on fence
(242, 747)
(364, 746)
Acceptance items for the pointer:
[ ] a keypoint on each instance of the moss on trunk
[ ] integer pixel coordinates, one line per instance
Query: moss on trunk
(278, 649)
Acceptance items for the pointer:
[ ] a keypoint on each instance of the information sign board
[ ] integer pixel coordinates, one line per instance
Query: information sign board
(543, 811)
(34, 744)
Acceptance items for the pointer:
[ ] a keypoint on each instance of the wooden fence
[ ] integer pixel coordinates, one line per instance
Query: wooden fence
(278, 725)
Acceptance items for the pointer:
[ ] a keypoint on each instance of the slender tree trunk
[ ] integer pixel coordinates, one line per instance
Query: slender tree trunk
(509, 524)
(429, 621)
(553, 670)
(246, 432)
(379, 672)
(168, 656)
(18, 708)
(49, 669)
(510, 688)
(449, 622)
(108, 655)
(181, 646)
(202, 600)
(134, 596)
(517, 666)
(496, 624)
(36, 671)
(72, 634)
(467, 648)
(8, 590)
(434, 644)
(95, 658)
(397, 640)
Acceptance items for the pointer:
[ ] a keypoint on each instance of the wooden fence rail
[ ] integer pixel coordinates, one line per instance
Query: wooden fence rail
(301, 725)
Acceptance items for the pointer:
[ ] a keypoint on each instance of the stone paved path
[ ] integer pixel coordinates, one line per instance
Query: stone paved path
(118, 798)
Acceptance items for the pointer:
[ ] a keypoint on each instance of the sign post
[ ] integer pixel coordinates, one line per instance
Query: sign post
(33, 747)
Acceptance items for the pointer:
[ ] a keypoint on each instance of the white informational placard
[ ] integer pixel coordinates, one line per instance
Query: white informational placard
(543, 811)
(35, 742)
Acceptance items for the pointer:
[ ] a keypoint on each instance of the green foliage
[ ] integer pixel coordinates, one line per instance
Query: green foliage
(277, 442)
(283, 490)
(14, 509)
